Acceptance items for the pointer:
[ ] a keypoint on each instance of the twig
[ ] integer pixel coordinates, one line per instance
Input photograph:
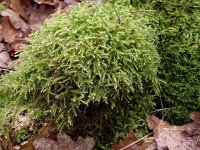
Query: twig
(161, 102)
(136, 141)
(6, 69)
(162, 109)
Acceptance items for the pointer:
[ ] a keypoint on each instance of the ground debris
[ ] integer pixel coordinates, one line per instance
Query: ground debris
(20, 18)
(64, 142)
(166, 136)
(172, 137)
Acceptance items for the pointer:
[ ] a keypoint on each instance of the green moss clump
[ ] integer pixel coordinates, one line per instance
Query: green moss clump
(94, 68)
(179, 48)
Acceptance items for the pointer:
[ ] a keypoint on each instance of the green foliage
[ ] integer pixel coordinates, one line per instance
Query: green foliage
(21, 135)
(179, 48)
(94, 68)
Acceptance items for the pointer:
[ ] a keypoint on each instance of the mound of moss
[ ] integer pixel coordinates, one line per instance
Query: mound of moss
(179, 48)
(94, 68)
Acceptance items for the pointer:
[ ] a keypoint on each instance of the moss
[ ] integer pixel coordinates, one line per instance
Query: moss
(94, 68)
(178, 31)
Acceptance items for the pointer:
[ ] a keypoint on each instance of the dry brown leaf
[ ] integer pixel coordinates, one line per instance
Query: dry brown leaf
(154, 121)
(171, 137)
(33, 13)
(64, 142)
(195, 116)
(43, 144)
(5, 60)
(20, 7)
(128, 139)
(10, 34)
(16, 21)
(6, 143)
(148, 144)
(16, 47)
(47, 130)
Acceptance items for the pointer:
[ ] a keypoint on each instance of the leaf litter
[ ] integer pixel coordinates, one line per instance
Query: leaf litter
(19, 19)
(167, 136)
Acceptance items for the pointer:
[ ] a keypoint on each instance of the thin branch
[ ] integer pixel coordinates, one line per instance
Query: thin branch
(7, 69)
(136, 141)
(162, 109)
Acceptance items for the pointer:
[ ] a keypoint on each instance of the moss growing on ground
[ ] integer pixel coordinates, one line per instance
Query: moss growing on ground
(179, 48)
(94, 68)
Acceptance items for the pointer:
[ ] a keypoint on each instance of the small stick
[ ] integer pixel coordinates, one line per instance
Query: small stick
(7, 69)
(136, 141)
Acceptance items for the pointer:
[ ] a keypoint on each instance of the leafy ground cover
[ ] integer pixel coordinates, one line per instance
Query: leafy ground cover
(102, 88)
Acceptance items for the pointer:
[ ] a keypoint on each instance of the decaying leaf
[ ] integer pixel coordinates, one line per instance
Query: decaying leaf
(16, 47)
(20, 7)
(128, 139)
(16, 21)
(64, 142)
(6, 144)
(195, 116)
(148, 144)
(5, 60)
(10, 34)
(173, 137)
(33, 13)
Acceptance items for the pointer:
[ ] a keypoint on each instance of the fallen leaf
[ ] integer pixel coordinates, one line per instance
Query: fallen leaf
(5, 60)
(16, 21)
(48, 130)
(128, 139)
(6, 144)
(10, 34)
(64, 142)
(171, 137)
(154, 121)
(16, 47)
(20, 6)
(33, 13)
(148, 144)
(43, 144)
(195, 116)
